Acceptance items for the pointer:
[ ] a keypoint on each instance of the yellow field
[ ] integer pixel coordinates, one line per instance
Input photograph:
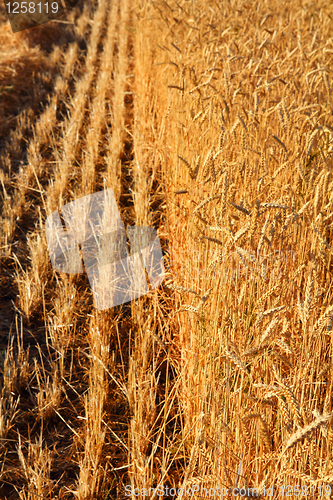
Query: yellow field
(212, 122)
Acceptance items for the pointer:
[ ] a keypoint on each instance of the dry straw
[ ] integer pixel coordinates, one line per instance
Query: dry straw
(211, 128)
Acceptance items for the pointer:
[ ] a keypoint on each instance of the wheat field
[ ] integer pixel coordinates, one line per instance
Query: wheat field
(213, 123)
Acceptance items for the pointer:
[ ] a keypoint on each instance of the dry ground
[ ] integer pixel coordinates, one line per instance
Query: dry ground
(211, 121)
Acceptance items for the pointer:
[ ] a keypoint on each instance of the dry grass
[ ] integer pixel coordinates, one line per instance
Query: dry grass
(213, 123)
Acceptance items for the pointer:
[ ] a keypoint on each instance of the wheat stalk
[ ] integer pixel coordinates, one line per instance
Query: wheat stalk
(306, 431)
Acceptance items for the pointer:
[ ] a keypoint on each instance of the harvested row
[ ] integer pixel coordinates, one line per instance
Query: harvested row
(103, 326)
